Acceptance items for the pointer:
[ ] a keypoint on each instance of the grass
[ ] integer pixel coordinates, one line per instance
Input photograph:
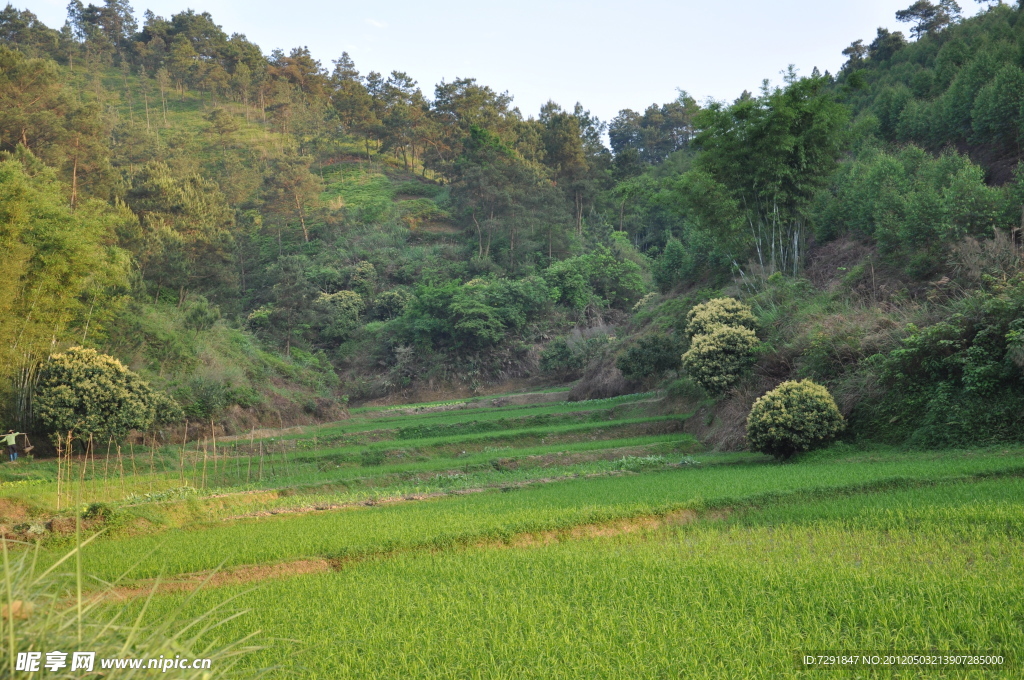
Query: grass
(692, 564)
(408, 445)
(463, 520)
(709, 600)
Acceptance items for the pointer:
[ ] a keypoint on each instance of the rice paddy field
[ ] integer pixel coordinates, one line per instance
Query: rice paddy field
(528, 537)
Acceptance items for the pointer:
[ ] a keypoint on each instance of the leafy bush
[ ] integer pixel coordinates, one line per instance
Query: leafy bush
(202, 398)
(717, 359)
(364, 278)
(959, 381)
(390, 304)
(796, 416)
(667, 268)
(200, 315)
(165, 409)
(89, 393)
(597, 278)
(721, 311)
(914, 204)
(339, 313)
(650, 356)
(475, 315)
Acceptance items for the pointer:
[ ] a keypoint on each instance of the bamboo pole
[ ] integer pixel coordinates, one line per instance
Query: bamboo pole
(213, 435)
(106, 469)
(59, 469)
(120, 468)
(152, 461)
(131, 452)
(181, 456)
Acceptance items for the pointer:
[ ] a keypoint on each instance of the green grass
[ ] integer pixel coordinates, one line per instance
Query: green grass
(465, 519)
(465, 416)
(328, 454)
(697, 601)
(989, 506)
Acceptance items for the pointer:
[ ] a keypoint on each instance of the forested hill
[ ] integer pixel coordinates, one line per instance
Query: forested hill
(265, 238)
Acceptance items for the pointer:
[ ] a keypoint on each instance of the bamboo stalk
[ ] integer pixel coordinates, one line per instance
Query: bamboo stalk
(59, 457)
(106, 468)
(131, 452)
(213, 434)
(120, 467)
(181, 457)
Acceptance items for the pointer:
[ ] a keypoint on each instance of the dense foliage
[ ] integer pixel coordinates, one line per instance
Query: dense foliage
(651, 356)
(726, 311)
(961, 380)
(260, 232)
(92, 396)
(716, 360)
(796, 416)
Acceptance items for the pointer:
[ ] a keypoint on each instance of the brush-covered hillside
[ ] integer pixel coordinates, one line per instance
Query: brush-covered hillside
(266, 239)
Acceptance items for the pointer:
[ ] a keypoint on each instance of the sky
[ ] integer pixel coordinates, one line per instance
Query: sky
(607, 55)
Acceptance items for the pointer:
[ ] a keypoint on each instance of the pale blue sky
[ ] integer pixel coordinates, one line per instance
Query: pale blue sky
(606, 54)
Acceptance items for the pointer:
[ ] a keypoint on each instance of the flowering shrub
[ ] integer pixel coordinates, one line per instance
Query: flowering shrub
(89, 393)
(716, 359)
(720, 311)
(795, 416)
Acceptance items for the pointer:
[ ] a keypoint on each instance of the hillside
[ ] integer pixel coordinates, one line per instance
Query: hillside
(271, 242)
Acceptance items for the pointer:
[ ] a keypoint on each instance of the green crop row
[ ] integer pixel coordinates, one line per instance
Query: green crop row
(465, 519)
(702, 601)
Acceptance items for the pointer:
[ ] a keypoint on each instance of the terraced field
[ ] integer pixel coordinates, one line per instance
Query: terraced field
(505, 539)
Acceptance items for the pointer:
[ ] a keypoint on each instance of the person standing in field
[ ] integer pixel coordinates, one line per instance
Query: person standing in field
(11, 440)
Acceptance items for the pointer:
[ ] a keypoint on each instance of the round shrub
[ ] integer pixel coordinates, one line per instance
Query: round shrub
(85, 392)
(716, 359)
(719, 312)
(795, 416)
(391, 304)
(339, 313)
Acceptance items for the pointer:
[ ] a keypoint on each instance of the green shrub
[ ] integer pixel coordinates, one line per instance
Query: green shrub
(959, 381)
(88, 393)
(650, 356)
(200, 315)
(717, 359)
(721, 311)
(558, 357)
(390, 304)
(165, 409)
(597, 278)
(364, 278)
(796, 416)
(339, 313)
(202, 398)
